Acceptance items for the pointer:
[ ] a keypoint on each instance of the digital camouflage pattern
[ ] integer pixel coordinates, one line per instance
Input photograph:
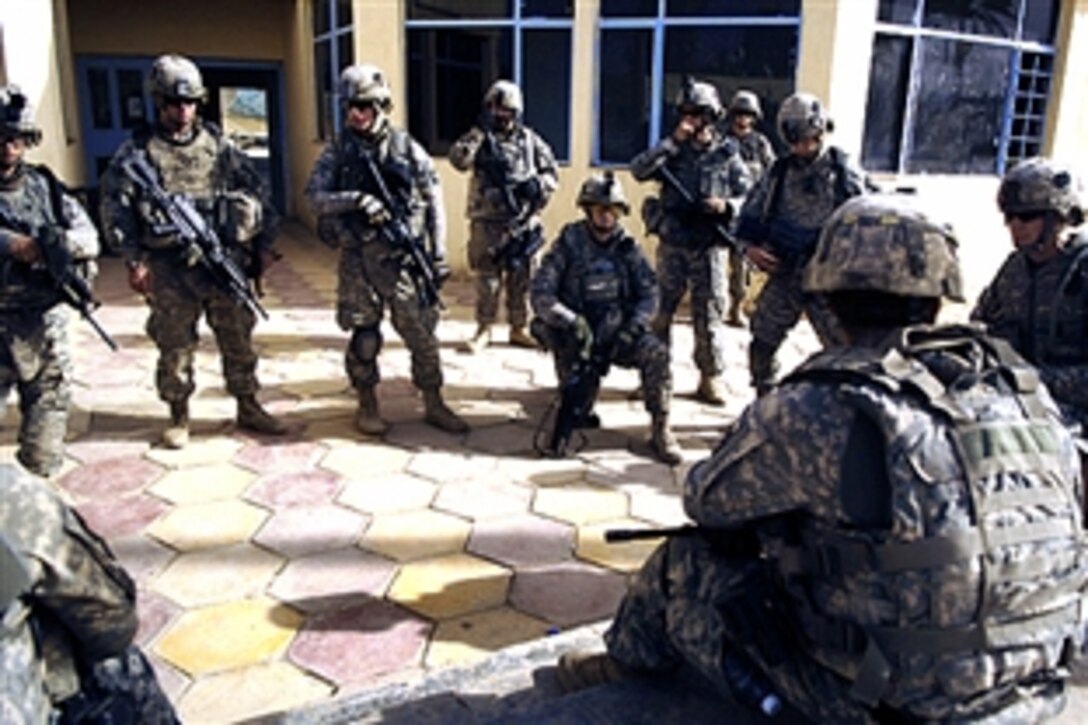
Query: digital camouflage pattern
(34, 353)
(690, 254)
(372, 274)
(843, 466)
(1039, 184)
(1042, 311)
(79, 615)
(206, 168)
(610, 284)
(756, 150)
(527, 158)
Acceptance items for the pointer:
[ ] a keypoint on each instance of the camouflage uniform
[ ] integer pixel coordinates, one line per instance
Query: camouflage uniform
(846, 556)
(34, 355)
(66, 641)
(530, 165)
(690, 254)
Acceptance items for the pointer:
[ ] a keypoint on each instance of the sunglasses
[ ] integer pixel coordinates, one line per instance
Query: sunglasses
(1024, 216)
(178, 101)
(362, 105)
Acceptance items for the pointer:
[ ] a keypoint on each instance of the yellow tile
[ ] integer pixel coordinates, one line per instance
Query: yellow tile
(544, 471)
(416, 535)
(625, 557)
(199, 452)
(249, 692)
(657, 507)
(211, 576)
(387, 494)
(202, 525)
(474, 636)
(580, 504)
(227, 636)
(450, 586)
(364, 461)
(203, 483)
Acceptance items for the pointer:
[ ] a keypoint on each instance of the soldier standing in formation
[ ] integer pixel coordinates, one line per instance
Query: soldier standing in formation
(34, 357)
(779, 225)
(375, 269)
(67, 619)
(821, 578)
(594, 296)
(191, 158)
(691, 252)
(513, 176)
(1038, 301)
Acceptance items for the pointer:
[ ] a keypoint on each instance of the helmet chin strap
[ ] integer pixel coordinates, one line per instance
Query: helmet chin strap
(1050, 222)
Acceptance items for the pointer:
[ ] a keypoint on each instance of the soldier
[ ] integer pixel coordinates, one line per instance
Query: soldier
(35, 209)
(594, 296)
(780, 223)
(67, 619)
(192, 158)
(892, 534)
(513, 176)
(373, 271)
(758, 153)
(1038, 301)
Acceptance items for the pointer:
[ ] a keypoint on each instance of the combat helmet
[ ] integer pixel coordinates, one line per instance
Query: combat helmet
(17, 115)
(700, 95)
(175, 76)
(802, 116)
(505, 94)
(882, 243)
(365, 83)
(746, 102)
(1039, 184)
(603, 189)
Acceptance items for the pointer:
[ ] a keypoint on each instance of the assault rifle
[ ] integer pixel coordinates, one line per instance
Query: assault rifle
(202, 243)
(576, 397)
(398, 234)
(670, 179)
(72, 288)
(522, 239)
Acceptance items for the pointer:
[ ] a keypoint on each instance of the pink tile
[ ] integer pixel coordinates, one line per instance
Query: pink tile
(521, 541)
(271, 456)
(568, 594)
(97, 451)
(110, 479)
(154, 612)
(333, 580)
(302, 530)
(295, 488)
(351, 645)
(142, 557)
(116, 518)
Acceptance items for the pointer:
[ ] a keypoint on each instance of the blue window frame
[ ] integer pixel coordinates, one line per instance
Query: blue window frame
(646, 47)
(957, 87)
(334, 50)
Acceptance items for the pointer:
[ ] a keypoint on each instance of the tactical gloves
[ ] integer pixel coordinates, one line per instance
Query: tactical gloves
(583, 335)
(628, 336)
(374, 210)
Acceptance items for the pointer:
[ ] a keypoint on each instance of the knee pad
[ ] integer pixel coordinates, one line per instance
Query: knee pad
(366, 343)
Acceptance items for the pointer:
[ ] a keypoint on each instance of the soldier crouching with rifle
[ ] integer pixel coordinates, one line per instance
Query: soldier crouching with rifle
(377, 196)
(188, 212)
(39, 224)
(594, 295)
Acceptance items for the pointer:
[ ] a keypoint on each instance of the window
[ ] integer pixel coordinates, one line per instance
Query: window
(334, 50)
(958, 87)
(646, 48)
(458, 48)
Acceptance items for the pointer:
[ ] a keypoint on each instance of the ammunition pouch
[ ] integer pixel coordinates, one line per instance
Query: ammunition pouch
(653, 214)
(238, 216)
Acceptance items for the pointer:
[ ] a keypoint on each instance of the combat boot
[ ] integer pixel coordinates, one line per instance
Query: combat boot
(438, 414)
(520, 337)
(252, 417)
(664, 442)
(481, 339)
(176, 434)
(368, 419)
(580, 670)
(711, 389)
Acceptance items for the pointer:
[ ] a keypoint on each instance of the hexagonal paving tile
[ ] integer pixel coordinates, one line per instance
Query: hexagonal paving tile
(274, 457)
(142, 556)
(568, 594)
(110, 479)
(543, 471)
(395, 492)
(203, 483)
(154, 612)
(410, 432)
(474, 636)
(302, 530)
(366, 461)
(217, 575)
(360, 643)
(627, 557)
(249, 692)
(502, 439)
(657, 507)
(580, 504)
(484, 498)
(416, 534)
(440, 466)
(524, 540)
(609, 470)
(333, 580)
(199, 452)
(218, 523)
(227, 636)
(450, 586)
(295, 488)
(112, 520)
(98, 451)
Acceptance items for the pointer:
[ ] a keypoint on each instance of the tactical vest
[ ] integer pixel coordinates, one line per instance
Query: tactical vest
(34, 203)
(598, 283)
(983, 561)
(395, 164)
(516, 149)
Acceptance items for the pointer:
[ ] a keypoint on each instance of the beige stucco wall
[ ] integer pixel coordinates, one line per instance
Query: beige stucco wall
(1067, 126)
